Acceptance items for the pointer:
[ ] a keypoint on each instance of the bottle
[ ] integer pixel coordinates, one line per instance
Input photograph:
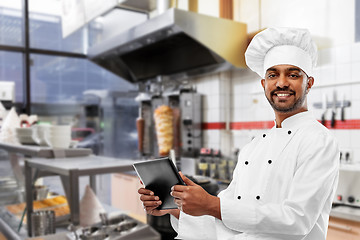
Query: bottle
(140, 130)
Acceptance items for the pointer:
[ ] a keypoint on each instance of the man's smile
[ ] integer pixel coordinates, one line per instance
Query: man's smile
(283, 95)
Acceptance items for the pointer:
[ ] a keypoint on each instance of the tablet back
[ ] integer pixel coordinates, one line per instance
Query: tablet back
(159, 176)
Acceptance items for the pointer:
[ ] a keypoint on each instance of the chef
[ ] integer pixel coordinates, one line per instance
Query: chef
(285, 178)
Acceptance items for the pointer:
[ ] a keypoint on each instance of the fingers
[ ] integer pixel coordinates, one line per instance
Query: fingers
(176, 194)
(147, 198)
(186, 180)
(152, 204)
(179, 188)
(145, 191)
(150, 210)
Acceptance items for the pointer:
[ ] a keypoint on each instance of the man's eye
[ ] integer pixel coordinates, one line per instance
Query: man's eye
(294, 76)
(271, 75)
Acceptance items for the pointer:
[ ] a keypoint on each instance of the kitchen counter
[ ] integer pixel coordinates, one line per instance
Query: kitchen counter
(344, 212)
(44, 152)
(70, 169)
(350, 167)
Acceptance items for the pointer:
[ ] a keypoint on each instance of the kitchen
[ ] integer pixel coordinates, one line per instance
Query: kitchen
(232, 107)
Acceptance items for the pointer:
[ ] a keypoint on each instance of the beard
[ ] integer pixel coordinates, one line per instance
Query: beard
(286, 109)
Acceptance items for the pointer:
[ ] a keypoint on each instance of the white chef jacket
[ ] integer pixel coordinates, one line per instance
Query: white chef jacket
(282, 188)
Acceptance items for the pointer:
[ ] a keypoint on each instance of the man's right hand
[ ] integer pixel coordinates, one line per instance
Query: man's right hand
(151, 202)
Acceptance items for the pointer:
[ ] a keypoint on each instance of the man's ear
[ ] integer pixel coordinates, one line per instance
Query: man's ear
(309, 84)
(263, 83)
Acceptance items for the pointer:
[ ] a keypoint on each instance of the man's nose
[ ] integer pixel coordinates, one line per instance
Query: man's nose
(282, 81)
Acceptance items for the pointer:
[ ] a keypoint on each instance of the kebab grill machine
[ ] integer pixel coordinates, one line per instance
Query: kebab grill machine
(185, 107)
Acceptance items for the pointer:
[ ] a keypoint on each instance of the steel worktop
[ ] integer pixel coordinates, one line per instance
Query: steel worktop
(70, 169)
(29, 151)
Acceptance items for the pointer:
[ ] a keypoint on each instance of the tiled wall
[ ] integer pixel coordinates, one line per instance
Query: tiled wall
(236, 97)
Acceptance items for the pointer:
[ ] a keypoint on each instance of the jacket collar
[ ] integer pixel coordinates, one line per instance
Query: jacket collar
(296, 120)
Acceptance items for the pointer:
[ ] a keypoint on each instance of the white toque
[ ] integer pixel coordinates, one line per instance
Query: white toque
(277, 46)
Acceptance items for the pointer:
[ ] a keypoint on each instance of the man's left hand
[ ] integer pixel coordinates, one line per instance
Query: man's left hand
(192, 199)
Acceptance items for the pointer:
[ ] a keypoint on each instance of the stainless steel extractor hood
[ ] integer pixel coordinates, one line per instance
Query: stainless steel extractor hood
(176, 43)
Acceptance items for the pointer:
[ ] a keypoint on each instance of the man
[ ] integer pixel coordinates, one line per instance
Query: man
(285, 179)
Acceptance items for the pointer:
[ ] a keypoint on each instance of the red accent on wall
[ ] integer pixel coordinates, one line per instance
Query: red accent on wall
(213, 126)
(347, 124)
(251, 125)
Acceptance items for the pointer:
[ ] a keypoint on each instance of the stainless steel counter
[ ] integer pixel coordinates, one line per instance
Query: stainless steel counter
(347, 213)
(70, 169)
(44, 152)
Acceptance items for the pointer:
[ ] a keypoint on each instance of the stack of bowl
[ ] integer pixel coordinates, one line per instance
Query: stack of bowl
(59, 136)
(42, 133)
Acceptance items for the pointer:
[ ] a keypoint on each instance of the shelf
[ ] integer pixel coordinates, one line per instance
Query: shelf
(350, 167)
(44, 152)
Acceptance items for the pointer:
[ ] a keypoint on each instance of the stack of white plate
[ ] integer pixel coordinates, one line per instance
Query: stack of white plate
(25, 135)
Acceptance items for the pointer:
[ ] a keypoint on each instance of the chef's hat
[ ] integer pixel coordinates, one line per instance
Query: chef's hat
(276, 46)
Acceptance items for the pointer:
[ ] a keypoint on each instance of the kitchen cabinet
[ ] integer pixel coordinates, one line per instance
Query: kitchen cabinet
(124, 194)
(342, 229)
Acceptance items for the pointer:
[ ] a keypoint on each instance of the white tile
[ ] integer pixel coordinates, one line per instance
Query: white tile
(199, 87)
(355, 92)
(326, 57)
(354, 138)
(317, 74)
(237, 115)
(263, 100)
(225, 81)
(212, 135)
(214, 145)
(225, 101)
(343, 137)
(212, 115)
(237, 101)
(314, 96)
(236, 88)
(210, 85)
(355, 52)
(211, 101)
(328, 75)
(343, 73)
(343, 54)
(355, 68)
(355, 109)
(356, 155)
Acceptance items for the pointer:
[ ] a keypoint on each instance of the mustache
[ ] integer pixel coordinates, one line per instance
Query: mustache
(279, 89)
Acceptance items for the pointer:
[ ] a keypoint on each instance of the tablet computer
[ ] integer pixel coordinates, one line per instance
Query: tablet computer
(159, 175)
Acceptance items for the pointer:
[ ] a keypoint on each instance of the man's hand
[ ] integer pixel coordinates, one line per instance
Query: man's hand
(194, 200)
(151, 202)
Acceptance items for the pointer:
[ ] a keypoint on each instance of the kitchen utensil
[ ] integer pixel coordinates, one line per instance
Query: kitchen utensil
(73, 229)
(126, 225)
(104, 219)
(333, 114)
(40, 192)
(343, 108)
(324, 108)
(43, 223)
(92, 233)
